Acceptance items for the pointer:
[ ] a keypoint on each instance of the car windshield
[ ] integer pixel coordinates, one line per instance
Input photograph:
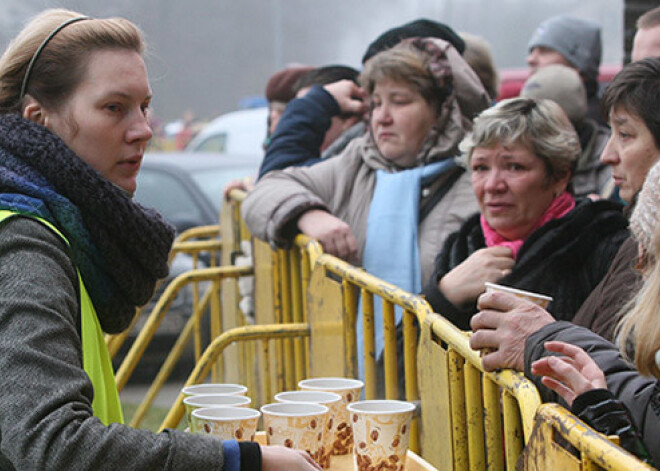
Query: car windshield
(212, 181)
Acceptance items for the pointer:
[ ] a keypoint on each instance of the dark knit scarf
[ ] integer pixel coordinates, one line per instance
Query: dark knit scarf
(120, 247)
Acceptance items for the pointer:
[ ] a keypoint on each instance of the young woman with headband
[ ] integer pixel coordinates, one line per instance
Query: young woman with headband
(77, 254)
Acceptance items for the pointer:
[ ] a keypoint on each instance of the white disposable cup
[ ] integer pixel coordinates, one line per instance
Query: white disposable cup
(333, 402)
(540, 299)
(349, 389)
(295, 425)
(226, 423)
(213, 400)
(381, 429)
(215, 388)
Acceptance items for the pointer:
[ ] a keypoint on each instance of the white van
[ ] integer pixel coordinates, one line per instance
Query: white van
(238, 132)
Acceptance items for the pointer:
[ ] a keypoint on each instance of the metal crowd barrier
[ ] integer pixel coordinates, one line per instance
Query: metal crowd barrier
(471, 419)
(555, 429)
(266, 335)
(333, 294)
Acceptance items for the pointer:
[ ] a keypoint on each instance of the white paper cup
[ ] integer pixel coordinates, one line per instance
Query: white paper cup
(214, 388)
(226, 423)
(350, 390)
(296, 425)
(381, 430)
(333, 402)
(540, 299)
(213, 400)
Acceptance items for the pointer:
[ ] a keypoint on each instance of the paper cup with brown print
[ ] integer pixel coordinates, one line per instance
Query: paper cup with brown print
(333, 402)
(213, 400)
(226, 423)
(540, 299)
(296, 425)
(349, 390)
(380, 429)
(214, 388)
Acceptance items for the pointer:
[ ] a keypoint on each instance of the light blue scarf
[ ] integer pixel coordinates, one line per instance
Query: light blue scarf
(392, 250)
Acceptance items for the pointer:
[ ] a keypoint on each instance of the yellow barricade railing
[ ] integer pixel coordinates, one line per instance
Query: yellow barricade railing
(471, 419)
(334, 290)
(265, 334)
(213, 275)
(594, 451)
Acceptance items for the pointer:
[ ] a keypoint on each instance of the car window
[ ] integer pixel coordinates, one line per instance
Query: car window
(215, 143)
(169, 196)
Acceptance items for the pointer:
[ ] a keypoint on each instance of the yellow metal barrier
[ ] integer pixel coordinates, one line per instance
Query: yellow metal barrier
(333, 294)
(594, 451)
(264, 333)
(147, 332)
(470, 419)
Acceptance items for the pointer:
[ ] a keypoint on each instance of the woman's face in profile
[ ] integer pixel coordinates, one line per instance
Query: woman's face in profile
(105, 120)
(400, 121)
(512, 187)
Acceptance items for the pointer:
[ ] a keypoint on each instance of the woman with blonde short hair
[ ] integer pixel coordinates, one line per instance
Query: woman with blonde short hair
(531, 233)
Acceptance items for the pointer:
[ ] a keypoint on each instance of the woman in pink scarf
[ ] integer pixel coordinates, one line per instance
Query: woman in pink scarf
(531, 233)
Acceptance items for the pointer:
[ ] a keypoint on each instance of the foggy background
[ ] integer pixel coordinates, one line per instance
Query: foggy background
(207, 55)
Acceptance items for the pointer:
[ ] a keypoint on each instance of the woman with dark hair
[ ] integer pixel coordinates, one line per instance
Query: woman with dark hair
(77, 254)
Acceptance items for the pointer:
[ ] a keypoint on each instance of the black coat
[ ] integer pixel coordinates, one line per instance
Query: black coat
(565, 258)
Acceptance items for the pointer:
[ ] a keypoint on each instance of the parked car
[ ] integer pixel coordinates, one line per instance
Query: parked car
(186, 188)
(237, 132)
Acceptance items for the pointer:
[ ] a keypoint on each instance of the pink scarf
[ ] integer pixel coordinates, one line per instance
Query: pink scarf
(559, 207)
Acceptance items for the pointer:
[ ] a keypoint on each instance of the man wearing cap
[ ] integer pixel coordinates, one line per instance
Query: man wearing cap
(647, 37)
(573, 42)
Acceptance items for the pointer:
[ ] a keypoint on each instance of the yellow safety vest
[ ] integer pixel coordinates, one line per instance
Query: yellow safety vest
(96, 359)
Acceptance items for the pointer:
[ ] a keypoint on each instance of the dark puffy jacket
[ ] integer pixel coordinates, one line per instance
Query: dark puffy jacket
(566, 258)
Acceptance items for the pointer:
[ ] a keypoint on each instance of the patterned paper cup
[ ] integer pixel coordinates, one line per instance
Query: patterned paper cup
(215, 388)
(540, 299)
(226, 423)
(213, 400)
(349, 390)
(296, 425)
(332, 401)
(381, 430)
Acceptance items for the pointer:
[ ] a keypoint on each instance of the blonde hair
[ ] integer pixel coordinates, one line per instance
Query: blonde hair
(639, 327)
(61, 65)
(538, 124)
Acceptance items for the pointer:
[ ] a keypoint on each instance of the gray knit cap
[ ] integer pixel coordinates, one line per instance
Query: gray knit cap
(576, 39)
(562, 85)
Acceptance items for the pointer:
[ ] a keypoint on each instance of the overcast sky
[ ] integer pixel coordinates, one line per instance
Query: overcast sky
(206, 55)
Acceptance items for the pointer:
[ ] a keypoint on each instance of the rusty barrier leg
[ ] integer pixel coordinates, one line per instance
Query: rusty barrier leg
(214, 350)
(146, 334)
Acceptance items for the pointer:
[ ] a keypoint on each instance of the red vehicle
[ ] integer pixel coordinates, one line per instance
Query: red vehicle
(512, 80)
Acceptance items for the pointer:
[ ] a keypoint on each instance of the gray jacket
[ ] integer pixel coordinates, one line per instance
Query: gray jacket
(640, 394)
(46, 419)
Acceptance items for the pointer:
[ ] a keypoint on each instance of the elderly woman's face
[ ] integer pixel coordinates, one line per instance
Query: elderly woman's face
(400, 121)
(512, 187)
(630, 151)
(105, 120)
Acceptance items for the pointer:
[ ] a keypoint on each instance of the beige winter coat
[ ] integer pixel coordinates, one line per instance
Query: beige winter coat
(344, 185)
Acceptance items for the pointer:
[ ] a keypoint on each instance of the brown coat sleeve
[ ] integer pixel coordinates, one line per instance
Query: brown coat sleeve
(600, 311)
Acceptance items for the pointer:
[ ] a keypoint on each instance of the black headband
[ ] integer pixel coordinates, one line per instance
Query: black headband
(41, 47)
